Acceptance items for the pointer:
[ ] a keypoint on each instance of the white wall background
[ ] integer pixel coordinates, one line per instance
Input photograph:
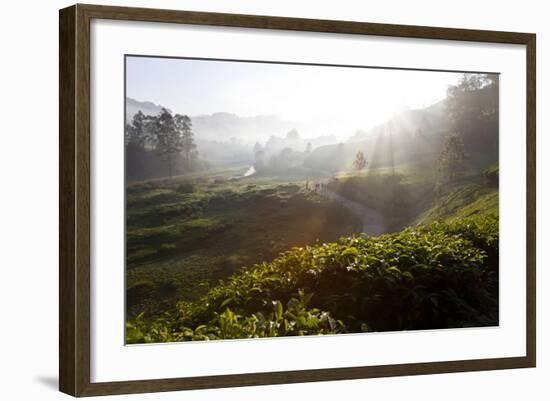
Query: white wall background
(29, 184)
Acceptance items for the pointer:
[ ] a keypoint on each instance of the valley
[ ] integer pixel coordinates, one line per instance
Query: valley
(336, 201)
(186, 235)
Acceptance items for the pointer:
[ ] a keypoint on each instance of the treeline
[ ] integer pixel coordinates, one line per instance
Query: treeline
(471, 143)
(160, 145)
(280, 155)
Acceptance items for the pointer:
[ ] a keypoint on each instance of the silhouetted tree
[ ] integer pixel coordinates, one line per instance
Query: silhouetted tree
(360, 162)
(136, 136)
(274, 144)
(293, 135)
(257, 147)
(182, 125)
(309, 147)
(473, 109)
(452, 159)
(167, 139)
(159, 145)
(136, 132)
(259, 161)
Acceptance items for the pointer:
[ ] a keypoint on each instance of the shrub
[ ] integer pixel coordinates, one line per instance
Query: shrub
(436, 276)
(185, 188)
(139, 291)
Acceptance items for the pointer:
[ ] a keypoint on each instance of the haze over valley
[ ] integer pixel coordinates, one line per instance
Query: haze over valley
(267, 200)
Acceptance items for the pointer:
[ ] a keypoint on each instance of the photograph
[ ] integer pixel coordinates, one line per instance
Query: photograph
(272, 199)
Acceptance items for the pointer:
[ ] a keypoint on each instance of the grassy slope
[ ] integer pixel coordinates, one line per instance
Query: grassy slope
(460, 202)
(451, 203)
(408, 194)
(185, 235)
(400, 193)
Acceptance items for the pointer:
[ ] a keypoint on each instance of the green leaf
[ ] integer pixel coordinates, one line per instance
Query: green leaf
(278, 311)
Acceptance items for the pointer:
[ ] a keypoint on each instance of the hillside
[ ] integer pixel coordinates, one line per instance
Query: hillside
(184, 235)
(435, 276)
(147, 108)
(441, 271)
(221, 126)
(407, 137)
(419, 135)
(395, 229)
(460, 202)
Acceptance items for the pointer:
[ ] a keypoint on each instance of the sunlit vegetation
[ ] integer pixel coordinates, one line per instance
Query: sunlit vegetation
(394, 229)
(398, 196)
(183, 235)
(436, 276)
(461, 202)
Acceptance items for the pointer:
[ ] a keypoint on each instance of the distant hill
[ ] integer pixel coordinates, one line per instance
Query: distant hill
(419, 135)
(222, 126)
(429, 119)
(147, 108)
(412, 135)
(225, 137)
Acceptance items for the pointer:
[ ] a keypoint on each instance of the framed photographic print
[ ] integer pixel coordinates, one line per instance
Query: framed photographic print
(251, 200)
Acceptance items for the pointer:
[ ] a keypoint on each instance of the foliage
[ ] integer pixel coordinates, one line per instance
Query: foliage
(296, 319)
(459, 201)
(165, 136)
(451, 162)
(293, 135)
(360, 162)
(491, 175)
(185, 234)
(440, 275)
(473, 99)
(185, 137)
(171, 135)
(473, 113)
(185, 188)
(399, 196)
(137, 131)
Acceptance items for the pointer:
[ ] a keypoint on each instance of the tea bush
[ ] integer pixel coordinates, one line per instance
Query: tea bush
(441, 275)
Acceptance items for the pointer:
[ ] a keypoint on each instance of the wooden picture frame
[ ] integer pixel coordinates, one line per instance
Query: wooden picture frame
(74, 205)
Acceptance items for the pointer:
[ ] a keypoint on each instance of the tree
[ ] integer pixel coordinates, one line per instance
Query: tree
(274, 144)
(257, 148)
(360, 162)
(167, 139)
(259, 157)
(308, 147)
(472, 108)
(472, 100)
(293, 135)
(172, 136)
(136, 136)
(183, 129)
(136, 132)
(259, 161)
(452, 159)
(286, 153)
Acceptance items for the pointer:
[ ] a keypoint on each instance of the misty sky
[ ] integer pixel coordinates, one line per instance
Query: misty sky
(339, 99)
